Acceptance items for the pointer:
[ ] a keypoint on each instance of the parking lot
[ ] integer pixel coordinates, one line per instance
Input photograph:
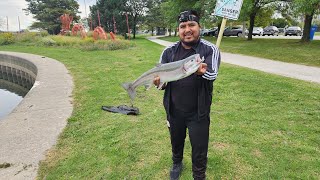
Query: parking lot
(284, 37)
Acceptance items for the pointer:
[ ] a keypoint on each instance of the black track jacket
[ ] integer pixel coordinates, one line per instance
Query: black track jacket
(212, 58)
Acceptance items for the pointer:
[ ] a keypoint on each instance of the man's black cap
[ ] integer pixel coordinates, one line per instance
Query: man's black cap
(189, 15)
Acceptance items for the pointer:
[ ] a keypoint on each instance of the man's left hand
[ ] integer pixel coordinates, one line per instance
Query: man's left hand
(202, 69)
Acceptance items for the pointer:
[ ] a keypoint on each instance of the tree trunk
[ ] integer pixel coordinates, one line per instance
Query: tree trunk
(134, 26)
(252, 17)
(307, 28)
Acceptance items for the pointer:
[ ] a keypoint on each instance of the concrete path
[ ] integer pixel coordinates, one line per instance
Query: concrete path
(306, 73)
(34, 126)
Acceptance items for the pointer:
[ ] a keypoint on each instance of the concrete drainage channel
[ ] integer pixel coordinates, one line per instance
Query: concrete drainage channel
(34, 125)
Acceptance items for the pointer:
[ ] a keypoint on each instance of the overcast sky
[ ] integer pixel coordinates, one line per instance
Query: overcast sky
(13, 9)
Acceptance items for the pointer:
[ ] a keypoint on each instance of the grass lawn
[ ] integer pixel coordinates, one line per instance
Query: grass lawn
(263, 126)
(286, 50)
(317, 33)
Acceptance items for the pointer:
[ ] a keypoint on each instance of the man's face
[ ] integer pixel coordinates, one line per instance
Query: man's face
(189, 32)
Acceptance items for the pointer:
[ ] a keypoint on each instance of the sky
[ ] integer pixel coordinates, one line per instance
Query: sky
(13, 9)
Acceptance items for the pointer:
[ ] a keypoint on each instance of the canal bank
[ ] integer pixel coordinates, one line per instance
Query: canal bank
(34, 125)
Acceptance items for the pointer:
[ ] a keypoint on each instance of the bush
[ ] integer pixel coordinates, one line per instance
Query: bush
(41, 39)
(107, 45)
(27, 37)
(47, 41)
(6, 38)
(44, 33)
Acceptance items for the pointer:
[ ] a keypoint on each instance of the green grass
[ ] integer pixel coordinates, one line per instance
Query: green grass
(317, 33)
(286, 50)
(263, 126)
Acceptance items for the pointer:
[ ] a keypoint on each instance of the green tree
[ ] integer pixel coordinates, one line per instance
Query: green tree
(308, 8)
(117, 9)
(171, 9)
(111, 13)
(280, 22)
(137, 9)
(155, 16)
(47, 12)
(252, 8)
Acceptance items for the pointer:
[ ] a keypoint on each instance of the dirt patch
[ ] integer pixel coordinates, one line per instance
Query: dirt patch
(221, 146)
(257, 153)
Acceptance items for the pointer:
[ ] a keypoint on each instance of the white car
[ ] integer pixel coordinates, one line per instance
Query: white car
(257, 31)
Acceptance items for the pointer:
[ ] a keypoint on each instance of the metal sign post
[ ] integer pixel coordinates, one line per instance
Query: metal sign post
(228, 9)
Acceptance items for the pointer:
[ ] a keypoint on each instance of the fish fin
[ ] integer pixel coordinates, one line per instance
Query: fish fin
(131, 91)
(160, 85)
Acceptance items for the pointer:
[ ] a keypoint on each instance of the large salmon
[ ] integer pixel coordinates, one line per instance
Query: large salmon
(167, 72)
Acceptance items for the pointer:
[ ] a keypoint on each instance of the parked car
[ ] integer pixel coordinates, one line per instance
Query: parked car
(231, 31)
(257, 31)
(271, 30)
(209, 32)
(293, 30)
(281, 30)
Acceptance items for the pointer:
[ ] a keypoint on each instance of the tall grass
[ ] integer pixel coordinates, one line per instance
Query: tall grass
(43, 39)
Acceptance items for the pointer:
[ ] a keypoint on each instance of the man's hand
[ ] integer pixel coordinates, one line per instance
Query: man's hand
(202, 69)
(156, 81)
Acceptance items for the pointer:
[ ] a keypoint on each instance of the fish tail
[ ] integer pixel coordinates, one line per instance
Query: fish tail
(131, 91)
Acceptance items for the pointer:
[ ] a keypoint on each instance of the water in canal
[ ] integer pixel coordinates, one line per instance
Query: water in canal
(17, 76)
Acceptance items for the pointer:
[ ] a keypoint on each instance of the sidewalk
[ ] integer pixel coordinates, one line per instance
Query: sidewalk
(306, 73)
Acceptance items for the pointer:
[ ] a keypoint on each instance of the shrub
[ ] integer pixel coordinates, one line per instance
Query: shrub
(44, 33)
(90, 34)
(6, 38)
(27, 37)
(47, 41)
(107, 45)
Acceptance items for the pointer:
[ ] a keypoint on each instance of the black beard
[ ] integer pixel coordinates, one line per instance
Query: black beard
(190, 44)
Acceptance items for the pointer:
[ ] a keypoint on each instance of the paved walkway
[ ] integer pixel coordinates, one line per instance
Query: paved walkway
(34, 125)
(306, 73)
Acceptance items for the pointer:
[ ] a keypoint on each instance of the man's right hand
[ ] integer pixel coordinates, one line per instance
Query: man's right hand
(156, 81)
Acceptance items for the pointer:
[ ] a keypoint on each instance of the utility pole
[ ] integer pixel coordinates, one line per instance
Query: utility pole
(85, 8)
(19, 24)
(7, 24)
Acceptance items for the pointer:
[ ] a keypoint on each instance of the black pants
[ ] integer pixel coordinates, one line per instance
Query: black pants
(199, 137)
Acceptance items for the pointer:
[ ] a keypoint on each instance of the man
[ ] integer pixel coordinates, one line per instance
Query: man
(187, 101)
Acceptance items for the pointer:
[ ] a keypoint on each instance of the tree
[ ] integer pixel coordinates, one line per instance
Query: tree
(252, 8)
(111, 13)
(156, 16)
(47, 12)
(171, 9)
(309, 8)
(137, 8)
(280, 22)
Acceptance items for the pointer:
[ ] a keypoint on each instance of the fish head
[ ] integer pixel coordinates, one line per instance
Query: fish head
(192, 64)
